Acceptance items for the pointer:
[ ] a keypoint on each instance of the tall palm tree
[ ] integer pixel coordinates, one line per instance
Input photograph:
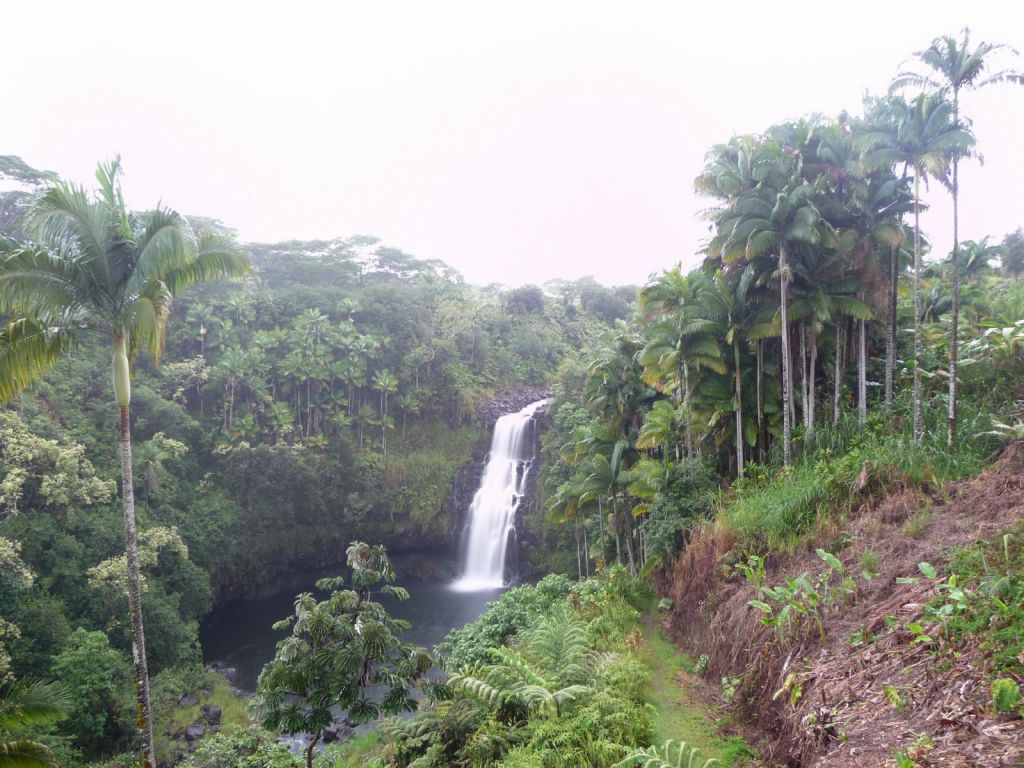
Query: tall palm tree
(952, 66)
(23, 703)
(94, 267)
(777, 217)
(726, 302)
(385, 382)
(923, 137)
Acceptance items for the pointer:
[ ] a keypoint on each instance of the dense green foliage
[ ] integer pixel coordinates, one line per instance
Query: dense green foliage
(271, 433)
(795, 363)
(812, 360)
(993, 573)
(339, 651)
(560, 683)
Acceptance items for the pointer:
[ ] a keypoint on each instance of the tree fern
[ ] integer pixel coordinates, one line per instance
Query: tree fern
(671, 754)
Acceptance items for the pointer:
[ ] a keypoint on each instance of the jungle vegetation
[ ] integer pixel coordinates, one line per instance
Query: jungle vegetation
(331, 394)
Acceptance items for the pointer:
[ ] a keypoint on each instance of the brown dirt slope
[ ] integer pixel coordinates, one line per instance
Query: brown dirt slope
(937, 695)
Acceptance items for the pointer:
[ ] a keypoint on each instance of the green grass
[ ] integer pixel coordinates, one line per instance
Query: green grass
(354, 753)
(837, 468)
(916, 526)
(681, 717)
(171, 718)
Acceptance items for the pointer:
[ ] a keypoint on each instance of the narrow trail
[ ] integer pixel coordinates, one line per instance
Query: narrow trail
(683, 715)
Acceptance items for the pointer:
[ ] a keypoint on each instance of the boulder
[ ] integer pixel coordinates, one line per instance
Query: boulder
(337, 732)
(194, 732)
(211, 714)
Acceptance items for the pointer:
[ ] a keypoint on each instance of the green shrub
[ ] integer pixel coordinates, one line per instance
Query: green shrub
(238, 748)
(1005, 695)
(99, 681)
(505, 617)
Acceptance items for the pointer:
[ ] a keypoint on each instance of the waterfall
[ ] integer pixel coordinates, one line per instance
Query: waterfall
(492, 513)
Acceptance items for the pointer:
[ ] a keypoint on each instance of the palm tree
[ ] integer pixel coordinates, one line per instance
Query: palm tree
(384, 382)
(24, 703)
(96, 268)
(408, 402)
(680, 345)
(951, 66)
(777, 217)
(727, 301)
(923, 137)
(236, 365)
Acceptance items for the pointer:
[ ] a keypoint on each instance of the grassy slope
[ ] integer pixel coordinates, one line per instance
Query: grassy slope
(889, 523)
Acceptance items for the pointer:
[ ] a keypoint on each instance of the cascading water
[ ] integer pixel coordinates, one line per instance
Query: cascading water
(492, 514)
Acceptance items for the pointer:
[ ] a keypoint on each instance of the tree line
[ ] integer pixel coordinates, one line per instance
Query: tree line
(814, 234)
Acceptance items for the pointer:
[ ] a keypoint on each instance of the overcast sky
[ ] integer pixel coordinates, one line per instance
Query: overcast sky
(517, 141)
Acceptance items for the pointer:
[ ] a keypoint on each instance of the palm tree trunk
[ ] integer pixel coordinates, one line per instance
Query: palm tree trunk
(812, 343)
(890, 341)
(311, 749)
(579, 557)
(918, 426)
(309, 408)
(686, 405)
(802, 333)
(954, 341)
(739, 407)
(840, 357)
(123, 395)
(618, 542)
(760, 401)
(862, 375)
(586, 549)
(627, 517)
(760, 369)
(787, 379)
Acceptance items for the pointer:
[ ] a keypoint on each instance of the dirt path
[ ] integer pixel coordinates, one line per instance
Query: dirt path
(683, 711)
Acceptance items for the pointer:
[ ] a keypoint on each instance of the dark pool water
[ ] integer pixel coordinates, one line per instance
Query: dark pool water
(240, 634)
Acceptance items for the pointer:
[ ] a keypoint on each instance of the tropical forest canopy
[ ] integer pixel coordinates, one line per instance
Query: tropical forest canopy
(707, 430)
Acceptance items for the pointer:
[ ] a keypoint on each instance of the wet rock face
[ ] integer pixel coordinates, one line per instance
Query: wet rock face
(464, 485)
(510, 402)
(531, 505)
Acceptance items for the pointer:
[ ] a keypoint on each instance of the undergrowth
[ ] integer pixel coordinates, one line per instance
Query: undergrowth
(838, 467)
(994, 570)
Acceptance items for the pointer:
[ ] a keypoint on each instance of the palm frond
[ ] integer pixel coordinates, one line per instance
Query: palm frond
(35, 282)
(25, 753)
(147, 319)
(29, 348)
(65, 219)
(165, 244)
(32, 702)
(217, 257)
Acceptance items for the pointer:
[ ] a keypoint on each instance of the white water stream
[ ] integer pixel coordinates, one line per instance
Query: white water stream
(492, 514)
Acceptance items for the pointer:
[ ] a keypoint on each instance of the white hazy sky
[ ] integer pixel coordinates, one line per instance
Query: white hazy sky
(518, 141)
